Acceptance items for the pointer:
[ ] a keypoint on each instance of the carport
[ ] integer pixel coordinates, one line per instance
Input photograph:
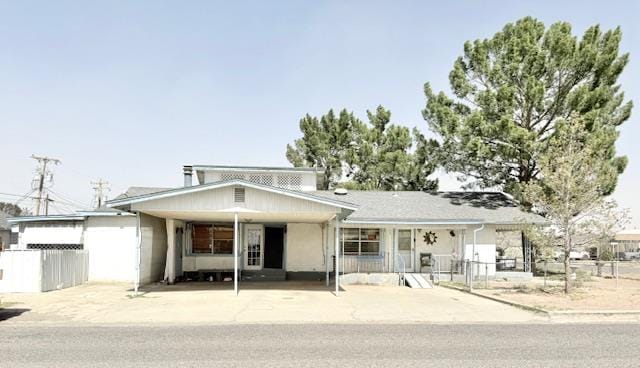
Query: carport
(222, 225)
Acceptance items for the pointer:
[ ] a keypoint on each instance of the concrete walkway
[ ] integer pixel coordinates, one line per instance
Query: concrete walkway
(281, 302)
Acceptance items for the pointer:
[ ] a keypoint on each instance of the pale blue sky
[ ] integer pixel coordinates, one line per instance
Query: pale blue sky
(130, 91)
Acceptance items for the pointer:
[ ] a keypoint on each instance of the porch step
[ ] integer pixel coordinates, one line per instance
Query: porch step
(267, 274)
(417, 281)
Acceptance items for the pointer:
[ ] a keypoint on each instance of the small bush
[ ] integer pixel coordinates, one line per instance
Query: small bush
(606, 255)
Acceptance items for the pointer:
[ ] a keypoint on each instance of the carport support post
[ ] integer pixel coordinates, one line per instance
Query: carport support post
(337, 254)
(235, 253)
(325, 238)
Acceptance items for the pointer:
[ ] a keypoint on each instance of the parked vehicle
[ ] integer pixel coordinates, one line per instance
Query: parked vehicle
(627, 256)
(573, 255)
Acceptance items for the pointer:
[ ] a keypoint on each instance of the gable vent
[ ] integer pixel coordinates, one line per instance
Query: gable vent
(238, 195)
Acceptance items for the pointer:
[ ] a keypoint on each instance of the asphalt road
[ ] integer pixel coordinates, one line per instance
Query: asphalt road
(539, 345)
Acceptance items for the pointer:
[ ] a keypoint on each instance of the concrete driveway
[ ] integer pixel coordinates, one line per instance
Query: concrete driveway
(280, 302)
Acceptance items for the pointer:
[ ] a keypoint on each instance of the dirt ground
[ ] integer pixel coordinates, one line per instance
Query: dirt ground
(592, 294)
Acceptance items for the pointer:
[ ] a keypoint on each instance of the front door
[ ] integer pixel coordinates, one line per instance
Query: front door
(404, 239)
(273, 247)
(254, 247)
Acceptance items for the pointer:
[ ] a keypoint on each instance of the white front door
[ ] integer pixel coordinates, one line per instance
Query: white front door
(254, 247)
(404, 240)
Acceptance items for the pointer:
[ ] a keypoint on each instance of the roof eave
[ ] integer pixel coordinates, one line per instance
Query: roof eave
(227, 183)
(13, 220)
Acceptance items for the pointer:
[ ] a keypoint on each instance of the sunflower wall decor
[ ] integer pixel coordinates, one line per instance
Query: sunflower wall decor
(430, 238)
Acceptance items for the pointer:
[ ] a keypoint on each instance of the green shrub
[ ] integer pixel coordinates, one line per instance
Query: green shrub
(606, 254)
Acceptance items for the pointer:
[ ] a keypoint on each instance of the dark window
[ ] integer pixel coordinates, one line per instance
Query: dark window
(201, 241)
(360, 241)
(212, 239)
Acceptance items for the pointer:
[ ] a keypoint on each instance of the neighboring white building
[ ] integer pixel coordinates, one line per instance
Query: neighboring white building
(274, 223)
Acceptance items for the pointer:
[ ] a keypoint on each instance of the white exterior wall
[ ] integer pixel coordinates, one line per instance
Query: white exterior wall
(445, 245)
(207, 262)
(53, 232)
(223, 199)
(305, 248)
(485, 249)
(111, 242)
(153, 251)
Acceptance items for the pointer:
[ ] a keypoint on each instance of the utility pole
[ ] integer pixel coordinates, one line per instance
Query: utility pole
(42, 172)
(101, 187)
(46, 205)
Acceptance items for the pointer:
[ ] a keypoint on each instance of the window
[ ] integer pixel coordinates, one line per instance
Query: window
(212, 239)
(404, 240)
(360, 241)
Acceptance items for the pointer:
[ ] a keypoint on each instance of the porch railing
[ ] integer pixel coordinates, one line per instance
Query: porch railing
(445, 263)
(364, 263)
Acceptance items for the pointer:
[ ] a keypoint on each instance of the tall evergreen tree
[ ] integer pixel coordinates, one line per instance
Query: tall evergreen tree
(384, 158)
(373, 156)
(325, 144)
(510, 92)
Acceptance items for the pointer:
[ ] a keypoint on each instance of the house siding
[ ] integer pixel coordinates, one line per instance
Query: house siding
(485, 248)
(52, 232)
(111, 242)
(153, 250)
(223, 199)
(305, 248)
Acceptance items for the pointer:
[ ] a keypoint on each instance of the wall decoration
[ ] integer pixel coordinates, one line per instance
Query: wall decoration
(430, 238)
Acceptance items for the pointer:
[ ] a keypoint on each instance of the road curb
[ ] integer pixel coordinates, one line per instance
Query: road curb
(595, 312)
(499, 300)
(551, 314)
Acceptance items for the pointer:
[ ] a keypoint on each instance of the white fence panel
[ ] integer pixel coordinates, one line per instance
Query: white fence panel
(64, 268)
(21, 271)
(43, 270)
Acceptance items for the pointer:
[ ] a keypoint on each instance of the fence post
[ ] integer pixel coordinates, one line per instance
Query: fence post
(471, 276)
(451, 269)
(486, 275)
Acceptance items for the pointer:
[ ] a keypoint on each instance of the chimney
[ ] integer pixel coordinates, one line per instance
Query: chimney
(187, 170)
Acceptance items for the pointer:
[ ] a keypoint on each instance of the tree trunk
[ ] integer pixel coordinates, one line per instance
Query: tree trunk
(567, 265)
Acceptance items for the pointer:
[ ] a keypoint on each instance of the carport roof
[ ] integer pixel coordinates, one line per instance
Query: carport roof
(406, 207)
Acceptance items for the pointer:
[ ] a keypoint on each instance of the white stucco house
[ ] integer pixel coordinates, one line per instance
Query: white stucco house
(271, 223)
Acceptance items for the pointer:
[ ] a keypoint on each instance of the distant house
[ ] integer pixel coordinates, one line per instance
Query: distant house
(273, 223)
(5, 231)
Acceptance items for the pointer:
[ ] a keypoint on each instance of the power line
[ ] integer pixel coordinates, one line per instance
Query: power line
(25, 197)
(16, 195)
(64, 198)
(43, 174)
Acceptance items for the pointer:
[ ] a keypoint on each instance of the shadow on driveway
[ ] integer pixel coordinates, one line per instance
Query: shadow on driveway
(242, 285)
(8, 313)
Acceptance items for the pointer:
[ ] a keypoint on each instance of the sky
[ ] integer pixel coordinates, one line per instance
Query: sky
(131, 91)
